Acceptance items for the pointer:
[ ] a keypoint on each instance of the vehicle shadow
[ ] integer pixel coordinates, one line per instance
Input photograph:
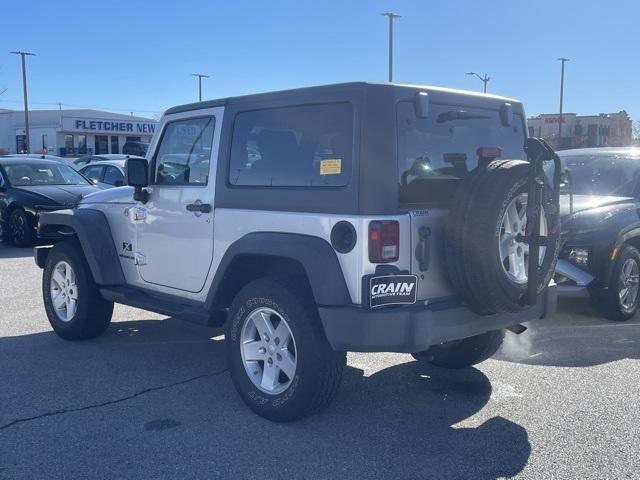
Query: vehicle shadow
(163, 386)
(9, 251)
(576, 336)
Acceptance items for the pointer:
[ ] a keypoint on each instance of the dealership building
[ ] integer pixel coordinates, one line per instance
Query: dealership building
(72, 132)
(583, 131)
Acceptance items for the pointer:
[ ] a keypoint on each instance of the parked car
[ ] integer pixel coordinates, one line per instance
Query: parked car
(30, 186)
(135, 148)
(601, 229)
(371, 217)
(105, 174)
(82, 161)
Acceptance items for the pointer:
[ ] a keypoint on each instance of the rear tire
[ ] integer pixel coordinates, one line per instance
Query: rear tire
(280, 379)
(72, 300)
(463, 353)
(623, 276)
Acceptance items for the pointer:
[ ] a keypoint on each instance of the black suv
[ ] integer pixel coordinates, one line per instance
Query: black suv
(135, 148)
(601, 229)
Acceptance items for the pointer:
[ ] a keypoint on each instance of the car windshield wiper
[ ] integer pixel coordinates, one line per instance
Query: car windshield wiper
(458, 115)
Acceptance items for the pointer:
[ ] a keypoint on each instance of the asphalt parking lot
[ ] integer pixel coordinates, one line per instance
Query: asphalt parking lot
(152, 399)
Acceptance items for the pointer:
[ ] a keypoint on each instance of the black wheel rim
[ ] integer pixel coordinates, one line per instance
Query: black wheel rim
(18, 228)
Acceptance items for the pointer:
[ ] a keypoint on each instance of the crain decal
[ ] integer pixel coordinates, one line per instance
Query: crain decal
(392, 289)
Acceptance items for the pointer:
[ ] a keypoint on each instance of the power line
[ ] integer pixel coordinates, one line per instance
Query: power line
(92, 107)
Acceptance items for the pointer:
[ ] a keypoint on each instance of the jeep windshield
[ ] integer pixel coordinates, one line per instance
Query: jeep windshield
(436, 152)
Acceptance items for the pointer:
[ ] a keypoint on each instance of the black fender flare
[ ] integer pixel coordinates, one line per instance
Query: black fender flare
(92, 230)
(622, 238)
(315, 254)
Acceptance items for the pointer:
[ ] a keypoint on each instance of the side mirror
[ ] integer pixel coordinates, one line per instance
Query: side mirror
(118, 183)
(136, 174)
(565, 178)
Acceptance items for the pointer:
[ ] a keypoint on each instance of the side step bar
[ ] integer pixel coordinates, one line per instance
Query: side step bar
(164, 305)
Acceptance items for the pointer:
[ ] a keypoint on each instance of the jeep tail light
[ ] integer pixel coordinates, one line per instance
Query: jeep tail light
(489, 152)
(384, 241)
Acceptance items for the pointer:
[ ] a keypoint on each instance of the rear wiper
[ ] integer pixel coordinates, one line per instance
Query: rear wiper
(457, 115)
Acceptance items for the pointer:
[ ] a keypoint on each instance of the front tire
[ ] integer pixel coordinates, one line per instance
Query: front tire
(21, 231)
(72, 300)
(280, 361)
(463, 353)
(620, 301)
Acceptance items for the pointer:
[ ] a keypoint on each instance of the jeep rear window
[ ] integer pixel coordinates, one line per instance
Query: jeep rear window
(436, 152)
(303, 146)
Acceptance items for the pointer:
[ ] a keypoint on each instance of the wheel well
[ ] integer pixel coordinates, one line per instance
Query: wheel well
(246, 268)
(633, 241)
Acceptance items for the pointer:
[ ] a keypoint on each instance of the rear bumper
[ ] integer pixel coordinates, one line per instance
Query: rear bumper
(416, 328)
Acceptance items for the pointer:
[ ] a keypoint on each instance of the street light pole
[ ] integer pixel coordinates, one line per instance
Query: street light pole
(484, 79)
(200, 77)
(392, 17)
(26, 102)
(563, 61)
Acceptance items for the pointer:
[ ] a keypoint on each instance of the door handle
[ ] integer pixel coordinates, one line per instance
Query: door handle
(199, 207)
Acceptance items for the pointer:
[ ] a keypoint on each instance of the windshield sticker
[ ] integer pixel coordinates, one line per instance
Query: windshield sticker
(331, 167)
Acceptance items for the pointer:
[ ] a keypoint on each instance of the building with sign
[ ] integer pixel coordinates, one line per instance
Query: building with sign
(583, 131)
(72, 132)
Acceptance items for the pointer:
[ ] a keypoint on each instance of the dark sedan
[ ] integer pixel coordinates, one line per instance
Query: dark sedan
(601, 228)
(29, 186)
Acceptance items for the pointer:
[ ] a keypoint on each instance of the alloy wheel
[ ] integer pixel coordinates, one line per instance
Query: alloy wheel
(514, 252)
(18, 228)
(628, 285)
(268, 351)
(64, 291)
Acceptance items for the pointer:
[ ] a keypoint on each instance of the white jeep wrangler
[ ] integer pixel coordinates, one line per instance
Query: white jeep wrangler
(351, 217)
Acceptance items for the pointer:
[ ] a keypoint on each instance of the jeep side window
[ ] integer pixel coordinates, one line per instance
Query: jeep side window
(303, 146)
(184, 152)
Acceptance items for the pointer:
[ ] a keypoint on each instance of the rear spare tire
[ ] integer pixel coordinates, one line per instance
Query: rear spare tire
(487, 261)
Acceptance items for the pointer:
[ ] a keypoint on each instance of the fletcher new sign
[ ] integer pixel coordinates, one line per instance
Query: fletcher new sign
(105, 125)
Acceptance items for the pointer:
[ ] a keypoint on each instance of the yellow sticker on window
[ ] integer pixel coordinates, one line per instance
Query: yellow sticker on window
(331, 167)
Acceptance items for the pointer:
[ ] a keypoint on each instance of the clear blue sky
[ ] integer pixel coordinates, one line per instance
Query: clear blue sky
(138, 55)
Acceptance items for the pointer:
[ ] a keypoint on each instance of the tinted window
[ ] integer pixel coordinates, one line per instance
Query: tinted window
(434, 153)
(41, 174)
(93, 172)
(602, 174)
(113, 175)
(295, 146)
(184, 152)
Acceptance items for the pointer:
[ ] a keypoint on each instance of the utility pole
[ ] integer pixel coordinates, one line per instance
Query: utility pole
(26, 102)
(200, 77)
(563, 61)
(484, 79)
(392, 17)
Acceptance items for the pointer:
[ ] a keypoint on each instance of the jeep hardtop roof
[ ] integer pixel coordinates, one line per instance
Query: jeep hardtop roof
(440, 94)
(372, 187)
